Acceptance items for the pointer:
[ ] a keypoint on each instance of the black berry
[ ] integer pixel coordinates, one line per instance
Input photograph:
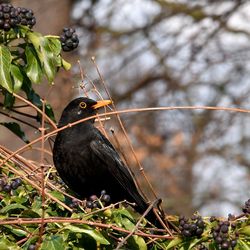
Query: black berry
(89, 204)
(2, 182)
(93, 197)
(32, 247)
(103, 192)
(106, 198)
(7, 188)
(18, 181)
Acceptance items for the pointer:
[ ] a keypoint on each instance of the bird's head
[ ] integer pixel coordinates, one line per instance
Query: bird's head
(81, 108)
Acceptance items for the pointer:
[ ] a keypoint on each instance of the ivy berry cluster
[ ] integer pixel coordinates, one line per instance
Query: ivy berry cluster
(246, 208)
(10, 17)
(221, 235)
(13, 185)
(191, 227)
(93, 201)
(69, 39)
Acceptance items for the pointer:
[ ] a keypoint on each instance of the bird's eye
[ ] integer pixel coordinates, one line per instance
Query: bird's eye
(82, 105)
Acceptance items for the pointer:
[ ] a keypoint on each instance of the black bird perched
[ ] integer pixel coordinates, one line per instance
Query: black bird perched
(88, 163)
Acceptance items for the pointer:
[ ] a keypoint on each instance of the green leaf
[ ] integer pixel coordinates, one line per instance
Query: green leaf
(54, 44)
(16, 231)
(127, 223)
(245, 230)
(5, 244)
(139, 243)
(66, 65)
(9, 100)
(243, 245)
(123, 218)
(195, 242)
(19, 199)
(36, 205)
(173, 243)
(57, 195)
(33, 69)
(10, 207)
(17, 77)
(53, 49)
(31, 95)
(124, 212)
(31, 240)
(49, 112)
(91, 232)
(29, 213)
(19, 232)
(16, 129)
(46, 56)
(5, 61)
(54, 242)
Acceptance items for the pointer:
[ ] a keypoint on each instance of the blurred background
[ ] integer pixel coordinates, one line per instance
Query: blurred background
(165, 53)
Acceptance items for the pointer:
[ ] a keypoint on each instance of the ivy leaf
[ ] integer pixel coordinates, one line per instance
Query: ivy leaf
(16, 231)
(10, 207)
(138, 243)
(66, 65)
(33, 69)
(49, 112)
(194, 243)
(5, 61)
(16, 129)
(29, 213)
(31, 94)
(242, 245)
(91, 232)
(45, 54)
(17, 77)
(54, 242)
(5, 244)
(54, 44)
(57, 195)
(52, 47)
(123, 218)
(245, 230)
(9, 100)
(173, 243)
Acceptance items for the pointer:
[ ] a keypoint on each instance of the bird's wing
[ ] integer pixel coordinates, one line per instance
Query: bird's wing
(106, 153)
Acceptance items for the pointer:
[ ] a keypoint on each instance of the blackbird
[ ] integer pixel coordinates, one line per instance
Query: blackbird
(88, 163)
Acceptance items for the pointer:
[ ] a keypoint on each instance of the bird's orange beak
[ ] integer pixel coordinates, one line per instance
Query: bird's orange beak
(101, 103)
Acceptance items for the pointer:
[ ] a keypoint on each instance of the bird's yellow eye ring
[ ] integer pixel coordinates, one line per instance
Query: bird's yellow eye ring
(82, 105)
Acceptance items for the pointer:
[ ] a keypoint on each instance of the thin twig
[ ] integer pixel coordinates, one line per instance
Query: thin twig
(82, 85)
(21, 221)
